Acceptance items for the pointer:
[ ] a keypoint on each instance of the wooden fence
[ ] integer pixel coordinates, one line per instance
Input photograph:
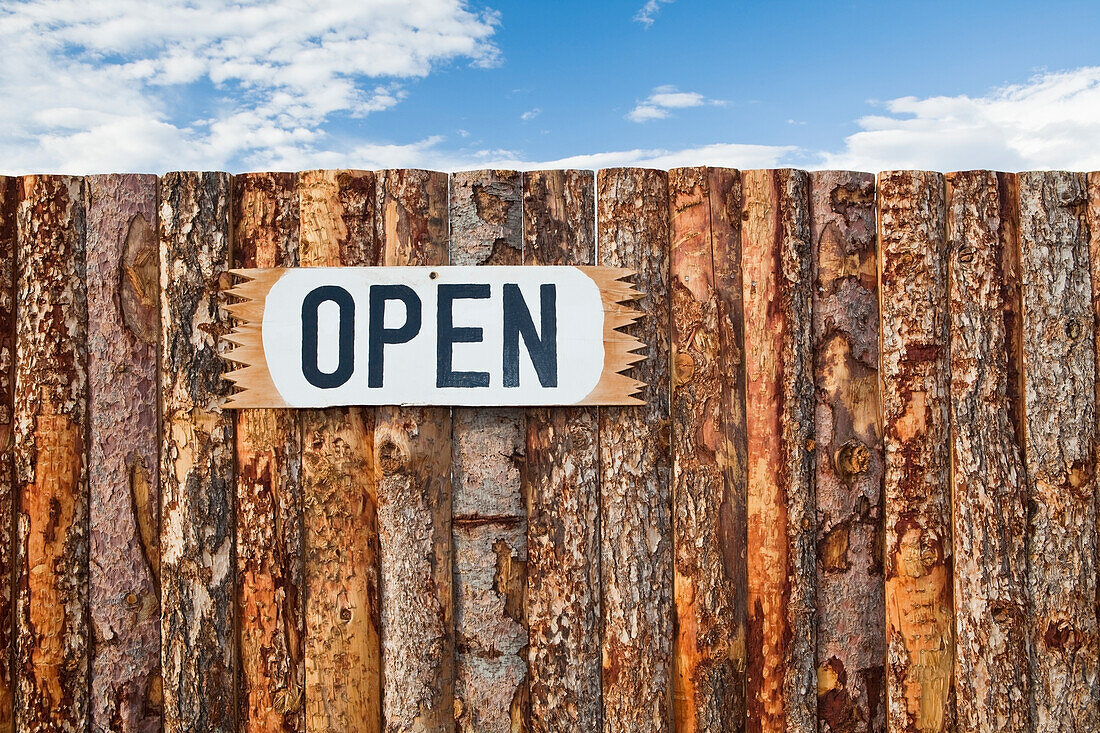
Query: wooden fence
(860, 496)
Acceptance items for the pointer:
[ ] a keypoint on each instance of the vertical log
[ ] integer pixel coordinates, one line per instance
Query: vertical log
(489, 517)
(851, 639)
(269, 494)
(9, 195)
(635, 495)
(123, 323)
(708, 679)
(915, 376)
(342, 649)
(51, 427)
(989, 489)
(561, 484)
(775, 246)
(196, 468)
(412, 448)
(1060, 407)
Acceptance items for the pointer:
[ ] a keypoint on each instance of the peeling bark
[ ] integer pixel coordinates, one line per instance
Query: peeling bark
(123, 322)
(851, 639)
(915, 380)
(709, 661)
(561, 485)
(342, 649)
(490, 523)
(775, 245)
(635, 494)
(9, 194)
(988, 480)
(269, 493)
(50, 432)
(1060, 408)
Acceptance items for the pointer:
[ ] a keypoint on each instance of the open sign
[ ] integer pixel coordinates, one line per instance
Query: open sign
(319, 337)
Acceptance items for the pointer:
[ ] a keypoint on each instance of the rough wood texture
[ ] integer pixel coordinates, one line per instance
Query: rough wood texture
(915, 376)
(123, 322)
(196, 469)
(851, 638)
(51, 424)
(1059, 393)
(413, 465)
(709, 661)
(989, 490)
(635, 494)
(490, 524)
(9, 196)
(339, 492)
(269, 493)
(775, 246)
(561, 485)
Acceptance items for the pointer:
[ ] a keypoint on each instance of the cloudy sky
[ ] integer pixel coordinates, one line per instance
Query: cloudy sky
(131, 85)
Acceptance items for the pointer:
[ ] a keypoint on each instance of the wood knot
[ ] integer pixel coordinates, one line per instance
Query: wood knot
(391, 458)
(131, 599)
(852, 459)
(966, 254)
(345, 614)
(1073, 329)
(685, 368)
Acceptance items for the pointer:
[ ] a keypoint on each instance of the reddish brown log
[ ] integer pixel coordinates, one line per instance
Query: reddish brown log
(1060, 443)
(775, 246)
(342, 649)
(123, 322)
(489, 518)
(989, 490)
(9, 195)
(709, 661)
(269, 492)
(51, 424)
(851, 639)
(635, 500)
(915, 377)
(561, 483)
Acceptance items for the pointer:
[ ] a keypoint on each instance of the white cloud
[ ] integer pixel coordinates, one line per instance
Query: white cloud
(664, 98)
(113, 84)
(647, 14)
(530, 114)
(1050, 121)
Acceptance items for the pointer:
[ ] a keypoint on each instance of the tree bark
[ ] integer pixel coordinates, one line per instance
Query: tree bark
(1060, 400)
(412, 448)
(489, 517)
(988, 480)
(9, 195)
(561, 485)
(342, 650)
(851, 640)
(51, 429)
(196, 468)
(915, 379)
(123, 323)
(709, 661)
(775, 245)
(269, 492)
(636, 501)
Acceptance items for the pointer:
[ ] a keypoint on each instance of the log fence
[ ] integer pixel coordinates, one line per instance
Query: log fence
(860, 494)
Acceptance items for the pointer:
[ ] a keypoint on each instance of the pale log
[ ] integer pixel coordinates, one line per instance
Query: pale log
(489, 514)
(50, 434)
(635, 468)
(709, 661)
(851, 638)
(915, 377)
(9, 195)
(1059, 376)
(342, 649)
(269, 492)
(989, 490)
(123, 323)
(561, 485)
(775, 246)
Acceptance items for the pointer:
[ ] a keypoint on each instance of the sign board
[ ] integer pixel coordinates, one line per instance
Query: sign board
(507, 336)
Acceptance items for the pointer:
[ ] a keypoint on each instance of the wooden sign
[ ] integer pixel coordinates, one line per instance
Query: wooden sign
(506, 336)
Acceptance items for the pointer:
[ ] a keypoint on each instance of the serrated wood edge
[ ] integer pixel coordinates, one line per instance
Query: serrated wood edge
(621, 351)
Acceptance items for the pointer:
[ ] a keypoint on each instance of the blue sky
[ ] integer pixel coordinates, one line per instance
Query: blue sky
(121, 85)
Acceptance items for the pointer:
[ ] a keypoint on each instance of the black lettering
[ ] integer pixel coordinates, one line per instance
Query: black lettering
(447, 336)
(542, 349)
(345, 364)
(379, 335)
